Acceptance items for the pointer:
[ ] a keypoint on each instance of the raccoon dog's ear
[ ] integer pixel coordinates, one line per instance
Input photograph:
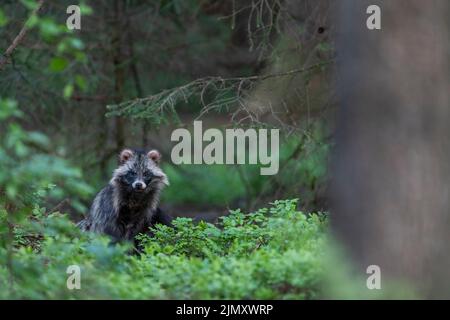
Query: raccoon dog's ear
(125, 155)
(155, 156)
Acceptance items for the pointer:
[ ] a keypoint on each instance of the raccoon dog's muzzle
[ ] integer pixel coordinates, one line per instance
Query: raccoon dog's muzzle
(139, 185)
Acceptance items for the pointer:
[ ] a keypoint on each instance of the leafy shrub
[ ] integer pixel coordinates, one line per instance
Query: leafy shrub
(273, 253)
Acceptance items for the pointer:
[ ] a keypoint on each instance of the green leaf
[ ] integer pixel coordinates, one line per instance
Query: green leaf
(32, 21)
(49, 29)
(62, 46)
(85, 9)
(29, 4)
(8, 108)
(38, 138)
(11, 191)
(76, 43)
(58, 64)
(68, 90)
(3, 18)
(81, 82)
(81, 57)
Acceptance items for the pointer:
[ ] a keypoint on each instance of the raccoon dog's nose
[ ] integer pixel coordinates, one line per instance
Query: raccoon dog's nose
(139, 185)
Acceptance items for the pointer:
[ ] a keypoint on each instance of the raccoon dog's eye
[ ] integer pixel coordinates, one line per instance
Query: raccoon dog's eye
(148, 175)
(130, 175)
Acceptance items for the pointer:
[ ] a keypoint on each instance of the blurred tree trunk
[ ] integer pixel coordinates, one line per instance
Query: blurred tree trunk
(134, 72)
(119, 66)
(391, 169)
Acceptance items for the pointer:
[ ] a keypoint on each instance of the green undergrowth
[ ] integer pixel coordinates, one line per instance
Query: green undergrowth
(273, 253)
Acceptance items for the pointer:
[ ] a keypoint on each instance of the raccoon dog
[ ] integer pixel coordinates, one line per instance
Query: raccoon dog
(128, 205)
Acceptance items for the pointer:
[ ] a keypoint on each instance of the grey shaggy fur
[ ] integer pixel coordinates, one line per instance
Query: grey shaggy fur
(120, 210)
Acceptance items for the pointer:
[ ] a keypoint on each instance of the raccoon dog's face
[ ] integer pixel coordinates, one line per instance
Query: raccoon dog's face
(139, 171)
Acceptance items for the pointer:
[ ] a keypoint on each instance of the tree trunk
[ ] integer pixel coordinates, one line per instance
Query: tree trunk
(391, 169)
(119, 68)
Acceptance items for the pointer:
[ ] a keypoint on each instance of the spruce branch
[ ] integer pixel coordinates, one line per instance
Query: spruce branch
(214, 93)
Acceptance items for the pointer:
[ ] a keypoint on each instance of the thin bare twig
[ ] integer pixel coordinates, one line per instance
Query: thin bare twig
(6, 56)
(59, 206)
